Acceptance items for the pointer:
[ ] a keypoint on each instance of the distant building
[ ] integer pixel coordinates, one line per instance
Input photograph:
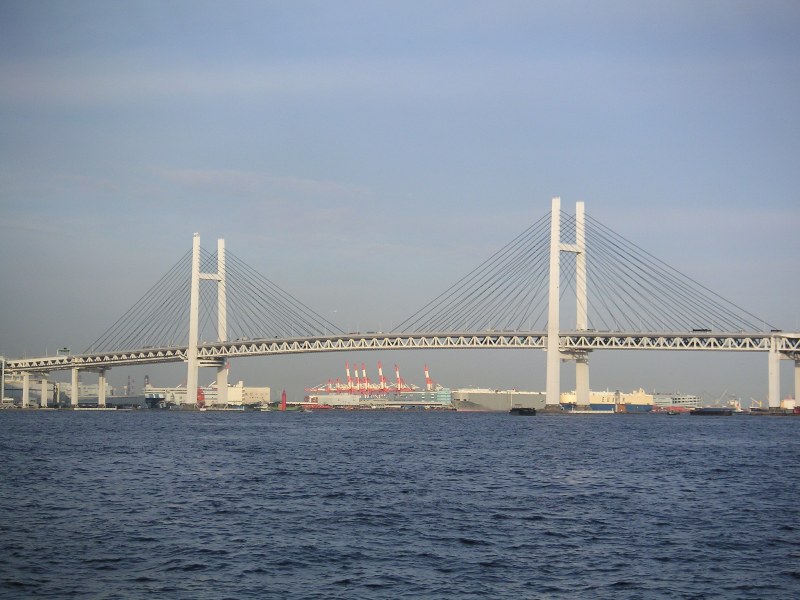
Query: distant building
(676, 400)
(238, 394)
(85, 390)
(439, 398)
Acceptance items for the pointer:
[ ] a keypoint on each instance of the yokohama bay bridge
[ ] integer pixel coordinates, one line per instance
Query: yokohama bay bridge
(622, 298)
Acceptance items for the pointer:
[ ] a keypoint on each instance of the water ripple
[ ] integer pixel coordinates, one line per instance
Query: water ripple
(386, 505)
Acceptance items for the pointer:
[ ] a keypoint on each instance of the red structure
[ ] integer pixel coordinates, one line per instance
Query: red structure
(359, 383)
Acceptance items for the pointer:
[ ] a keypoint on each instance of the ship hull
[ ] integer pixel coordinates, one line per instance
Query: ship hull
(471, 400)
(712, 412)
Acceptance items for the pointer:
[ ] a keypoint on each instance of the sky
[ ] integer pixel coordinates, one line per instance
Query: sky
(366, 155)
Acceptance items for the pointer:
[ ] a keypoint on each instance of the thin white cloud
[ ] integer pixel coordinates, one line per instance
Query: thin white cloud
(91, 82)
(253, 182)
(31, 224)
(77, 83)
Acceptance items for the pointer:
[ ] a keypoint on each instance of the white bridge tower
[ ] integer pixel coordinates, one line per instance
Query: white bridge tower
(194, 320)
(553, 384)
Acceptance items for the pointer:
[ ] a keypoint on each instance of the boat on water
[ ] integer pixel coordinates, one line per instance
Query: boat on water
(524, 411)
(712, 411)
(490, 400)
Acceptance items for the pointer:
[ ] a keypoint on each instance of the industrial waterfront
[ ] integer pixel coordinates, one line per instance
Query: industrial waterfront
(356, 390)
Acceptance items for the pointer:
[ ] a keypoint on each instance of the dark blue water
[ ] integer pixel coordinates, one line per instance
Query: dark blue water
(397, 505)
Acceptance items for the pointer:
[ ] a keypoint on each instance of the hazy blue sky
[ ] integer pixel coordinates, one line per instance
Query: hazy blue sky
(364, 155)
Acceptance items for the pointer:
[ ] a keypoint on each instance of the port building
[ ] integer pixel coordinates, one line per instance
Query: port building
(238, 395)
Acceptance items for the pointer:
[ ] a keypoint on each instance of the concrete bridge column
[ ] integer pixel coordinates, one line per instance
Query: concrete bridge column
(553, 382)
(582, 307)
(73, 396)
(101, 388)
(797, 381)
(2, 377)
(222, 322)
(194, 304)
(774, 373)
(26, 389)
(192, 355)
(582, 381)
(43, 401)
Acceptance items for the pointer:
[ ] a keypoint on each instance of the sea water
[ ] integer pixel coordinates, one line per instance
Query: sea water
(369, 504)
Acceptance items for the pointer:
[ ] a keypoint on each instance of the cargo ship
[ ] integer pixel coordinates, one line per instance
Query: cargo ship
(609, 402)
(486, 400)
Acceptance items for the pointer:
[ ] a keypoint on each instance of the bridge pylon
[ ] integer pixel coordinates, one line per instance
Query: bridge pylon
(193, 362)
(554, 355)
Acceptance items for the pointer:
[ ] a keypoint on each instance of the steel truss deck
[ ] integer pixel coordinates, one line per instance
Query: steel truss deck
(787, 344)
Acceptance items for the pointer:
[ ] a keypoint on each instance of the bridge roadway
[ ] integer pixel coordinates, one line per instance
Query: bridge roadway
(785, 344)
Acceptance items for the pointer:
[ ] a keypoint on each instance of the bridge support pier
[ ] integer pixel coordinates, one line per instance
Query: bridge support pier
(74, 391)
(774, 375)
(797, 382)
(43, 392)
(101, 388)
(26, 389)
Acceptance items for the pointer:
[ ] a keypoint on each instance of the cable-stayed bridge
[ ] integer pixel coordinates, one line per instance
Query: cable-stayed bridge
(562, 269)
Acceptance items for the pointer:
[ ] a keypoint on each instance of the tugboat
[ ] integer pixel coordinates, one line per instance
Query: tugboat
(523, 411)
